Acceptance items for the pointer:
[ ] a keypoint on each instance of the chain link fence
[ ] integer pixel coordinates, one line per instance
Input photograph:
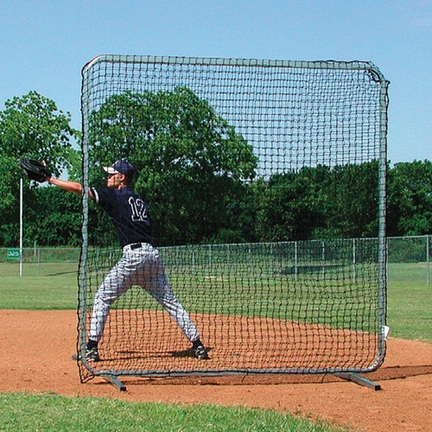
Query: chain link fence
(38, 261)
(407, 257)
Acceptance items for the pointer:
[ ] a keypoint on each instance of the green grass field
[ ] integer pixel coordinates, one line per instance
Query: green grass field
(409, 317)
(409, 302)
(56, 289)
(21, 412)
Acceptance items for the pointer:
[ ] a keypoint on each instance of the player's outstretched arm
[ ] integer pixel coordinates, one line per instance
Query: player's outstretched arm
(68, 185)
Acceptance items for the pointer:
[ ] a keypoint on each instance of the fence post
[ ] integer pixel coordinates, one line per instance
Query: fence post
(228, 261)
(271, 258)
(427, 260)
(323, 259)
(250, 260)
(354, 261)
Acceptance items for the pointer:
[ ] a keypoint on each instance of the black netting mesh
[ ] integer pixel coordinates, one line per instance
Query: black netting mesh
(280, 303)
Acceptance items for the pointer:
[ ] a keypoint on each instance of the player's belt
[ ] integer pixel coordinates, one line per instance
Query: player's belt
(134, 246)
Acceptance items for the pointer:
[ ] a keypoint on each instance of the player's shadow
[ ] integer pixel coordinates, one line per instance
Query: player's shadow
(185, 353)
(128, 355)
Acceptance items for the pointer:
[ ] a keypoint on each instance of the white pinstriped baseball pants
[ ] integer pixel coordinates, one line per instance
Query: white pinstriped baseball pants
(141, 267)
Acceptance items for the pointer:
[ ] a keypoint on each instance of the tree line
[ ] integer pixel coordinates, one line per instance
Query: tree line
(198, 176)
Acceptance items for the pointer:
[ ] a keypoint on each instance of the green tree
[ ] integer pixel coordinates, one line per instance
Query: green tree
(410, 197)
(54, 218)
(242, 210)
(30, 126)
(319, 202)
(190, 163)
(352, 201)
(290, 207)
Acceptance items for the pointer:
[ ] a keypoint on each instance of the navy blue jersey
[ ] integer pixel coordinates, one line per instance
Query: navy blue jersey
(128, 212)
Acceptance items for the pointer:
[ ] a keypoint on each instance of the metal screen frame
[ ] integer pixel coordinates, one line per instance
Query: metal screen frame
(382, 244)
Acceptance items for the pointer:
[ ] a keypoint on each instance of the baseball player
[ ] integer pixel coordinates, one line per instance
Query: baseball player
(140, 264)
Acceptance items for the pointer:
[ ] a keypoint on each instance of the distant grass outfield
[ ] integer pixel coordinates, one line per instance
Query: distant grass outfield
(56, 289)
(410, 302)
(409, 316)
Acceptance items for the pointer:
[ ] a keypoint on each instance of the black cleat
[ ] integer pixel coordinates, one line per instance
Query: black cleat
(201, 353)
(92, 355)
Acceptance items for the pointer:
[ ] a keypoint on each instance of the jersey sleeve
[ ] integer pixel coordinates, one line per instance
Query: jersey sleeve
(104, 197)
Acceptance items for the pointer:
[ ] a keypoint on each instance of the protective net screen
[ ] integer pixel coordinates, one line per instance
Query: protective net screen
(265, 182)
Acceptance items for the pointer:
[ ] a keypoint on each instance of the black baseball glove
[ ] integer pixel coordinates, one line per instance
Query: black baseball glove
(34, 170)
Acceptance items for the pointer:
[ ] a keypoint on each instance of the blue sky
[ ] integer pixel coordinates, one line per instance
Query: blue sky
(45, 44)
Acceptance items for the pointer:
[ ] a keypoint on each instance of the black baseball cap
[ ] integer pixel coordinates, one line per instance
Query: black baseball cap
(121, 167)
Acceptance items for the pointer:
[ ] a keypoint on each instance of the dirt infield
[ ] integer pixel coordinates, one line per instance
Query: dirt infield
(36, 358)
(141, 339)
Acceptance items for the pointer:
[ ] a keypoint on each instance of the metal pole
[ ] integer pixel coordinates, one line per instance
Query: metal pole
(323, 260)
(354, 261)
(21, 227)
(427, 260)
(382, 239)
(250, 260)
(228, 261)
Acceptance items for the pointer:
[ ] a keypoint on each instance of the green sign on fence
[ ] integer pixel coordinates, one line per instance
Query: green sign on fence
(13, 254)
